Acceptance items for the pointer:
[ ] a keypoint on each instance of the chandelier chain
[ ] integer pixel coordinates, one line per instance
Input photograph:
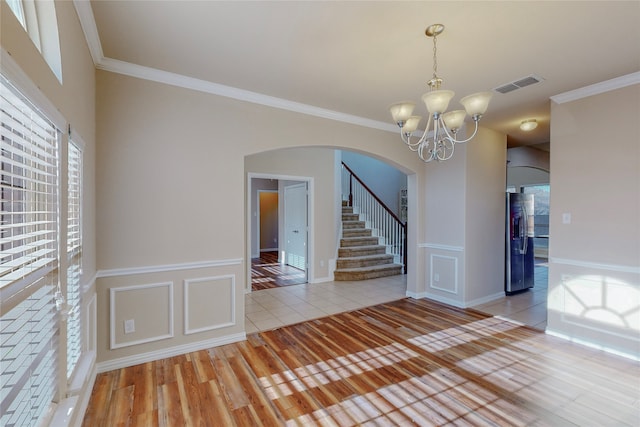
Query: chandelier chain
(435, 57)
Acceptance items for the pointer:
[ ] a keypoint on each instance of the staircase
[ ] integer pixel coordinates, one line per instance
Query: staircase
(361, 256)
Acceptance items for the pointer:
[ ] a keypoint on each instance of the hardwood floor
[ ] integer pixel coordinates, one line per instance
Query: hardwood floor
(408, 362)
(268, 273)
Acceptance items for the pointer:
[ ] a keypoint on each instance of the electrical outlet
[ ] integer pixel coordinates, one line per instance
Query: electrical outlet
(129, 326)
(436, 277)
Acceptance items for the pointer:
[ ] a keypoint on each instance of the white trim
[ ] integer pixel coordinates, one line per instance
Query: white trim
(12, 72)
(455, 280)
(310, 220)
(488, 298)
(112, 315)
(63, 412)
(81, 373)
(591, 344)
(597, 88)
(186, 82)
(444, 300)
(88, 24)
(91, 322)
(232, 322)
(85, 397)
(136, 359)
(168, 267)
(441, 247)
(598, 266)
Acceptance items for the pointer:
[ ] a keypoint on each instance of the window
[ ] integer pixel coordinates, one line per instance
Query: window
(74, 253)
(38, 18)
(18, 10)
(28, 260)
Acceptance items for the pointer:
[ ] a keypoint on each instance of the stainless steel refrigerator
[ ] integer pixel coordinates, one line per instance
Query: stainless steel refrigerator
(519, 274)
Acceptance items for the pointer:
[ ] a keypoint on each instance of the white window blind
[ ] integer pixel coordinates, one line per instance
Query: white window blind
(74, 253)
(28, 260)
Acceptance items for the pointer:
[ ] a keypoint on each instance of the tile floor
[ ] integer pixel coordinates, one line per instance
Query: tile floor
(271, 308)
(529, 307)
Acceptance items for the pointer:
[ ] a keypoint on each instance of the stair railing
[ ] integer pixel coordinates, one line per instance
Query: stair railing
(377, 213)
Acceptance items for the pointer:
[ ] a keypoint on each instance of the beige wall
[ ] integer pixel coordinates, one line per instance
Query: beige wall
(463, 250)
(594, 269)
(172, 201)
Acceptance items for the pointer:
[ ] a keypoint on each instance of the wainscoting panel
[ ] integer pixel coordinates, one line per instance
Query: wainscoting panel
(209, 303)
(444, 273)
(153, 324)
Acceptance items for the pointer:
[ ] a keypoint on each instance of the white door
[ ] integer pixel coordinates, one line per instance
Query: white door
(295, 225)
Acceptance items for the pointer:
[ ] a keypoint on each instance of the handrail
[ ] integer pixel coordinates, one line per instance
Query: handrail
(382, 204)
(383, 219)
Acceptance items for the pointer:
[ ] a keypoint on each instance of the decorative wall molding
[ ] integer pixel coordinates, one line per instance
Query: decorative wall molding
(598, 88)
(232, 303)
(168, 267)
(441, 247)
(112, 315)
(87, 22)
(136, 359)
(432, 275)
(596, 266)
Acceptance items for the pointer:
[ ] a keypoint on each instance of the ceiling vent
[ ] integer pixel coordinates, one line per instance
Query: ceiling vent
(519, 84)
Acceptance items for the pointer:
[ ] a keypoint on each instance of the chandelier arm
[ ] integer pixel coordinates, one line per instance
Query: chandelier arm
(421, 149)
(475, 131)
(425, 135)
(406, 138)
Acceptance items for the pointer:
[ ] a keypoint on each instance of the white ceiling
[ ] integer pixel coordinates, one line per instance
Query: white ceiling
(357, 58)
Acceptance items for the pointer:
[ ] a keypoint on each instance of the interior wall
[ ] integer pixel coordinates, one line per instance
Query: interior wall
(594, 268)
(464, 214)
(171, 202)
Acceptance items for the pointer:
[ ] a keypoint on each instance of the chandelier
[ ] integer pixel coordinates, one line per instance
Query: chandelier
(441, 134)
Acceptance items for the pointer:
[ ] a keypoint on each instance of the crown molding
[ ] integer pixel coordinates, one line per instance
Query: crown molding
(88, 24)
(597, 88)
(179, 80)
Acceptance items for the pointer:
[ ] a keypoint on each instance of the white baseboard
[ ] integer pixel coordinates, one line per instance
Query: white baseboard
(486, 299)
(137, 359)
(453, 302)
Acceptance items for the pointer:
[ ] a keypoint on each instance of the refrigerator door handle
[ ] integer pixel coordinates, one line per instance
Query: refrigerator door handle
(524, 234)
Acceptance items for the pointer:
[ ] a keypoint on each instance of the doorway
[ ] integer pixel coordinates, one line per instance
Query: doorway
(278, 232)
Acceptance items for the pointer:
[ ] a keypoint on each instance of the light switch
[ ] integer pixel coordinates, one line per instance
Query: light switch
(566, 218)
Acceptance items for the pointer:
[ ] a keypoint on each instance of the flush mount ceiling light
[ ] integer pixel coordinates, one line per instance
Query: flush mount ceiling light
(528, 125)
(440, 136)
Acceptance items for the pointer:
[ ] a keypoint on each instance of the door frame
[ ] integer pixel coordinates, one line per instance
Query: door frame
(251, 205)
(285, 220)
